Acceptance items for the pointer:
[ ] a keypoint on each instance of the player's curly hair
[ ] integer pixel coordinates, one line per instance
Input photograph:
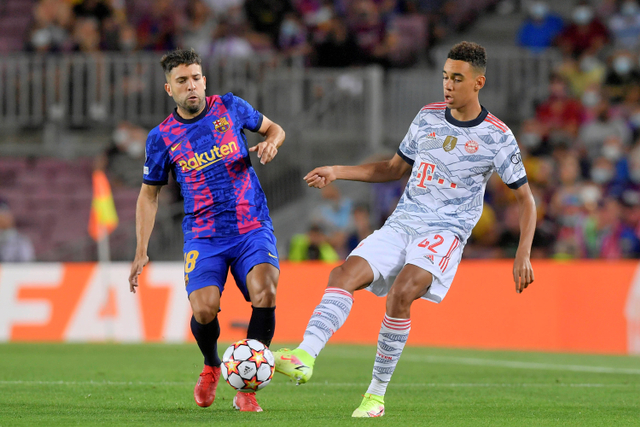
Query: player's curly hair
(470, 52)
(177, 57)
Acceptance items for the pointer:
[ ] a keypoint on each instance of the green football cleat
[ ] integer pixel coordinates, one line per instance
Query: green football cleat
(297, 364)
(371, 406)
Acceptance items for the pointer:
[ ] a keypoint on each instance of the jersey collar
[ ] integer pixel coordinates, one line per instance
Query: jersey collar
(193, 120)
(468, 123)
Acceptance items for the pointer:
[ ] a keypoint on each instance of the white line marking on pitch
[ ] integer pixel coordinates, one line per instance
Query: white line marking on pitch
(453, 360)
(522, 365)
(117, 383)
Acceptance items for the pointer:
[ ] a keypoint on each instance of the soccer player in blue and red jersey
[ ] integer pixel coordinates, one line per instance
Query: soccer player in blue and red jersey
(226, 222)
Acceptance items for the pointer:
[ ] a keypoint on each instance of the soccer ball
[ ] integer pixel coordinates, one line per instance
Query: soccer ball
(248, 365)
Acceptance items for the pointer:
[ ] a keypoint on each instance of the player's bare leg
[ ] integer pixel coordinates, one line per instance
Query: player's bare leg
(327, 318)
(412, 283)
(262, 282)
(205, 303)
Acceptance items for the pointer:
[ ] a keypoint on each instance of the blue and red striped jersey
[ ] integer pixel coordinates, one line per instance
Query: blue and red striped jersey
(209, 158)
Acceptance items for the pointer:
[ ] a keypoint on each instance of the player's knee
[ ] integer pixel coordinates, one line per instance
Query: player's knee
(341, 278)
(264, 294)
(264, 298)
(348, 278)
(204, 314)
(204, 310)
(403, 294)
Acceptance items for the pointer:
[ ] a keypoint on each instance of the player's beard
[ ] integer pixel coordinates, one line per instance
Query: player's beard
(192, 108)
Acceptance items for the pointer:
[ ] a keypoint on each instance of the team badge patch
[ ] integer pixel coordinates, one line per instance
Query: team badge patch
(471, 146)
(449, 143)
(222, 125)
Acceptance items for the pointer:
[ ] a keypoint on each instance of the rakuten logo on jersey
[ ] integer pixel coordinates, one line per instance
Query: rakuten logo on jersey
(202, 160)
(427, 173)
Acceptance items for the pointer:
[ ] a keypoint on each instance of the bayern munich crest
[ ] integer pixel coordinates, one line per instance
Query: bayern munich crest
(471, 146)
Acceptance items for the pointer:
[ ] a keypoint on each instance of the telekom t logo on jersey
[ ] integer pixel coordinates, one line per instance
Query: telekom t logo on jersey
(427, 173)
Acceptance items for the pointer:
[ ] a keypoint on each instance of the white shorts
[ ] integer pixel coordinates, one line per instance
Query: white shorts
(388, 251)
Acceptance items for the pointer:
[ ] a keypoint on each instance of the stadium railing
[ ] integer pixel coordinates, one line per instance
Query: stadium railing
(97, 91)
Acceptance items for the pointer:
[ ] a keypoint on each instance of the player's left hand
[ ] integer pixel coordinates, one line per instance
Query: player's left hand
(522, 272)
(267, 150)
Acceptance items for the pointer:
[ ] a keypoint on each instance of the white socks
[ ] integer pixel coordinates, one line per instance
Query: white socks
(393, 336)
(327, 318)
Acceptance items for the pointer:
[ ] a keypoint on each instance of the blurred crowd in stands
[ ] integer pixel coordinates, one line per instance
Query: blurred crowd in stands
(326, 33)
(581, 149)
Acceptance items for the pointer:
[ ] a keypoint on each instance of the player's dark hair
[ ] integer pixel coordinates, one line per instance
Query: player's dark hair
(179, 57)
(470, 52)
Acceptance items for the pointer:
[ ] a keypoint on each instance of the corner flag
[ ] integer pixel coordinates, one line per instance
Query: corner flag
(103, 218)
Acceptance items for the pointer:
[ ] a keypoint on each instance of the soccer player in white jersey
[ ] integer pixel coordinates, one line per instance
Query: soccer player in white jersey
(451, 150)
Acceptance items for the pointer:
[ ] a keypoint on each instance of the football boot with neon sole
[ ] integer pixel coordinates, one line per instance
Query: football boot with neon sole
(205, 391)
(371, 406)
(297, 364)
(246, 402)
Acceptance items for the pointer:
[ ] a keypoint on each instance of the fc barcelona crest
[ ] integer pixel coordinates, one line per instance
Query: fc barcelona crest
(449, 143)
(222, 125)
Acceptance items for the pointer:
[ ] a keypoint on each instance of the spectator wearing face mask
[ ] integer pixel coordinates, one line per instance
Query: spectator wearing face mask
(560, 112)
(540, 28)
(625, 25)
(585, 34)
(593, 135)
(603, 173)
(622, 77)
(124, 158)
(532, 139)
(568, 191)
(584, 73)
(292, 39)
(14, 246)
(616, 152)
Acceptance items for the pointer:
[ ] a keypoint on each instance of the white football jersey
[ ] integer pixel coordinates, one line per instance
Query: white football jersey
(452, 162)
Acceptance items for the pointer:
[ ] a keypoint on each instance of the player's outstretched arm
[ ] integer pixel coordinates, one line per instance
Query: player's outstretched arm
(274, 137)
(389, 170)
(522, 270)
(146, 210)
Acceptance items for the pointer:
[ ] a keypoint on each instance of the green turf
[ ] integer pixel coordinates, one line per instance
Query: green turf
(150, 385)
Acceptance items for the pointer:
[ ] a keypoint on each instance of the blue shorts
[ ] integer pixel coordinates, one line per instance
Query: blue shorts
(207, 260)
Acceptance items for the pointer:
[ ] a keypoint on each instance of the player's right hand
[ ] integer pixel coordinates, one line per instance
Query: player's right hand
(136, 270)
(522, 272)
(320, 177)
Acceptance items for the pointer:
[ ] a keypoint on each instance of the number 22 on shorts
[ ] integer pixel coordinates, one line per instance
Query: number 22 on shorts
(426, 243)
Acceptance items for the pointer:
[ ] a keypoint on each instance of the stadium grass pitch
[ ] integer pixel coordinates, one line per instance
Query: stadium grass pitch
(152, 385)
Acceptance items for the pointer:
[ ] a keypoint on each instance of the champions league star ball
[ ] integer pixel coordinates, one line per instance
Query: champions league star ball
(248, 365)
